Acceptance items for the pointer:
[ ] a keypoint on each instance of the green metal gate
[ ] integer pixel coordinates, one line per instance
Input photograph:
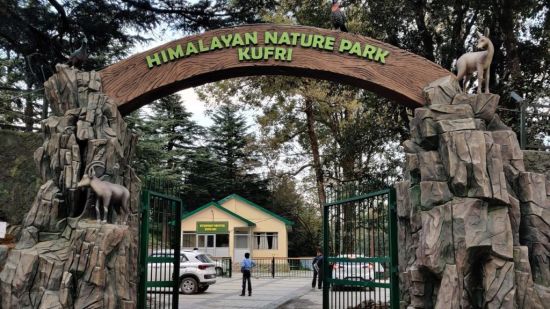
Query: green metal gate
(160, 242)
(360, 249)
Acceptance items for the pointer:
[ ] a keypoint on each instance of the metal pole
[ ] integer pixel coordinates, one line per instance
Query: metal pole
(230, 267)
(522, 125)
(394, 279)
(143, 239)
(521, 101)
(325, 265)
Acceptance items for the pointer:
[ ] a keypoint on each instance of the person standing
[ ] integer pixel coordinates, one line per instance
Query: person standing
(317, 269)
(246, 267)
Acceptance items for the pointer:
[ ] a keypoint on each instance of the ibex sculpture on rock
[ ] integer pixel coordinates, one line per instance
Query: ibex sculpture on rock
(477, 61)
(107, 193)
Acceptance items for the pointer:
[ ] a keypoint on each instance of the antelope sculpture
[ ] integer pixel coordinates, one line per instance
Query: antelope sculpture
(477, 61)
(107, 193)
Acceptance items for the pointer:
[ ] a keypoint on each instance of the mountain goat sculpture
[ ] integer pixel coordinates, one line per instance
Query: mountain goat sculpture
(109, 194)
(479, 61)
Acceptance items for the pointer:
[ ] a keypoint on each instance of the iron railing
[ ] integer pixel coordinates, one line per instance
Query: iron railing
(224, 266)
(159, 258)
(282, 267)
(360, 249)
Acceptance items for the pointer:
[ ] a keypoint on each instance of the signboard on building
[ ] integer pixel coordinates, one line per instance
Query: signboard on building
(212, 227)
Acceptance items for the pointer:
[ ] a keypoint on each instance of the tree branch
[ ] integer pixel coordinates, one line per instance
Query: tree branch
(64, 22)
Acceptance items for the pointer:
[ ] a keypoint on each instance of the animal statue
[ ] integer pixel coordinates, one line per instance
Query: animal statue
(108, 193)
(80, 55)
(337, 17)
(477, 61)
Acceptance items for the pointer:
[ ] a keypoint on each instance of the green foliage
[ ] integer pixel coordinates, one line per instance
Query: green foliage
(168, 139)
(227, 165)
(305, 234)
(19, 181)
(36, 35)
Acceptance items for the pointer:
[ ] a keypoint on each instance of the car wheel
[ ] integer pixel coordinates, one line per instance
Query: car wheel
(188, 285)
(219, 271)
(202, 289)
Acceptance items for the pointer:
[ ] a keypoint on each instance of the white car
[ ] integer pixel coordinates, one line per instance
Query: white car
(197, 273)
(355, 269)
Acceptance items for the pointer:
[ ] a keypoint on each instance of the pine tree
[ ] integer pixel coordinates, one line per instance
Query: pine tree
(168, 140)
(234, 161)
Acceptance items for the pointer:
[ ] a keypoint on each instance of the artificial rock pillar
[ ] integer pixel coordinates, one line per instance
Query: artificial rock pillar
(473, 224)
(65, 259)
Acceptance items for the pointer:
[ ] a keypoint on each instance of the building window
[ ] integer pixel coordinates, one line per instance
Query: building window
(265, 241)
(222, 240)
(188, 240)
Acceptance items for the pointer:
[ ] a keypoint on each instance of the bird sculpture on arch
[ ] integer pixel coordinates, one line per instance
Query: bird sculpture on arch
(79, 56)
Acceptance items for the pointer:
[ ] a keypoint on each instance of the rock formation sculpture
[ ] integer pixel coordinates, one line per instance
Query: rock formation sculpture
(479, 62)
(109, 194)
(474, 225)
(61, 261)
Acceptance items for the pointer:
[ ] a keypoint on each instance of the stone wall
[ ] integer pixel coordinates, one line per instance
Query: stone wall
(537, 161)
(474, 225)
(64, 258)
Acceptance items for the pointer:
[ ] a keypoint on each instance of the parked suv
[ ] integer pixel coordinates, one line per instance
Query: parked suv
(197, 273)
(353, 267)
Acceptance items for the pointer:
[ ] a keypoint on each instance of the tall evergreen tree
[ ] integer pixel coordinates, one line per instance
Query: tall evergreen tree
(228, 165)
(36, 35)
(168, 140)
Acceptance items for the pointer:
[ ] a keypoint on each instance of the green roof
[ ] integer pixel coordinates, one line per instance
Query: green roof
(242, 199)
(218, 206)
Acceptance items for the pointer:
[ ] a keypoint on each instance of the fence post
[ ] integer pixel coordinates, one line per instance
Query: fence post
(273, 267)
(394, 247)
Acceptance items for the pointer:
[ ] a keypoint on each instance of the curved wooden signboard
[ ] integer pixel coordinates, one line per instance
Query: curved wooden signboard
(269, 49)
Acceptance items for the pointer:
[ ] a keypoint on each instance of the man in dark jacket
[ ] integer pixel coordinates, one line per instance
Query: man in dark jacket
(317, 265)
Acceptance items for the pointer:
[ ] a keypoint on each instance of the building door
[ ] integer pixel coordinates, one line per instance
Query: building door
(206, 243)
(242, 245)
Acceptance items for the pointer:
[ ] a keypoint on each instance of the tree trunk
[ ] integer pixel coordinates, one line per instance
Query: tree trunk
(419, 8)
(29, 111)
(348, 164)
(315, 151)
(507, 22)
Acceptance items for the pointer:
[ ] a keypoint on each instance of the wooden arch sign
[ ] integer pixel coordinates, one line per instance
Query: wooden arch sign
(269, 49)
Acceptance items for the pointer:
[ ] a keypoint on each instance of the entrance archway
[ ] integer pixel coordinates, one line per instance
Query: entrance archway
(88, 134)
(458, 213)
(283, 50)
(288, 50)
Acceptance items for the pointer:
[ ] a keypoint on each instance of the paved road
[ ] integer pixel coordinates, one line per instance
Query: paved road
(266, 293)
(269, 293)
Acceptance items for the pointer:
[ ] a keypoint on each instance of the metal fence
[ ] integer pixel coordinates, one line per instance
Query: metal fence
(283, 267)
(274, 267)
(159, 259)
(224, 266)
(533, 124)
(360, 249)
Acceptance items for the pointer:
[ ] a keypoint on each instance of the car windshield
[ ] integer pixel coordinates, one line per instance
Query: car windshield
(204, 258)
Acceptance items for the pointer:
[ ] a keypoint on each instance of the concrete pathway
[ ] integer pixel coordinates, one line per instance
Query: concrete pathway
(267, 293)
